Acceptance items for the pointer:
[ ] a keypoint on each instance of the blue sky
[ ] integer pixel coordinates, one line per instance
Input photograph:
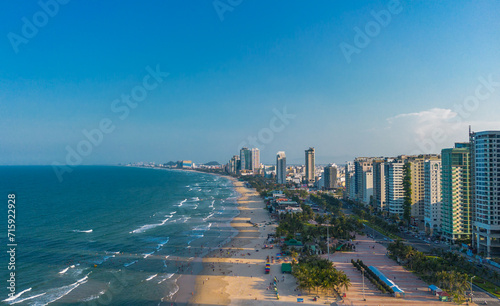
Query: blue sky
(227, 78)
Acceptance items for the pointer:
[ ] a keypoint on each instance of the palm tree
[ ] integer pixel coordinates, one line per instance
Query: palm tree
(343, 281)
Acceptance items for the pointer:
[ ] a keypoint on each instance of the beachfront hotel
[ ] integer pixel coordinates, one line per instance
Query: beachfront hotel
(485, 178)
(456, 192)
(432, 196)
(394, 186)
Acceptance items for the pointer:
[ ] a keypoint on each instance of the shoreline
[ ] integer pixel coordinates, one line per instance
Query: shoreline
(187, 283)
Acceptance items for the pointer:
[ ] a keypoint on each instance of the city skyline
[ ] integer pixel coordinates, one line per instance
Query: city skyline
(350, 79)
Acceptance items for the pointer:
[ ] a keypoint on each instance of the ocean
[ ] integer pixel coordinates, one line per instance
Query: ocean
(109, 235)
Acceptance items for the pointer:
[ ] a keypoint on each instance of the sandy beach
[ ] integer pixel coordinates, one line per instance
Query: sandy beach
(234, 274)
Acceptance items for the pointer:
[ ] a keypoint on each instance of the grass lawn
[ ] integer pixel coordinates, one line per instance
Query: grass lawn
(486, 285)
(381, 230)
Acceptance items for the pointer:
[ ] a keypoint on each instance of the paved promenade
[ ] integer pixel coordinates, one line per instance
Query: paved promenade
(374, 254)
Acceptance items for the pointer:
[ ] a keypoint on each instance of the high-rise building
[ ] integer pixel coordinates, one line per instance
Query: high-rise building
(394, 186)
(416, 164)
(485, 174)
(432, 196)
(352, 193)
(281, 167)
(234, 165)
(378, 171)
(255, 153)
(330, 177)
(456, 192)
(361, 166)
(246, 159)
(349, 174)
(367, 187)
(310, 164)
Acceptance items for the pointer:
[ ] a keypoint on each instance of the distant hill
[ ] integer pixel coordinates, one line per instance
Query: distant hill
(212, 163)
(171, 163)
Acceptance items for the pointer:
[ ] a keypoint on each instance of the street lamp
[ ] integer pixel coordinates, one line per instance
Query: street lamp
(471, 287)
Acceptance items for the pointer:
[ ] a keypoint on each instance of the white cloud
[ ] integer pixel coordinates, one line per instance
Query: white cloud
(431, 130)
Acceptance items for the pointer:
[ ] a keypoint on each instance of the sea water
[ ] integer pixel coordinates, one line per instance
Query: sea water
(110, 235)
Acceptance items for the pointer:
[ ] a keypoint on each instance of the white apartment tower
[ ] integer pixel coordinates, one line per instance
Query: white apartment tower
(485, 174)
(394, 187)
(432, 196)
(255, 159)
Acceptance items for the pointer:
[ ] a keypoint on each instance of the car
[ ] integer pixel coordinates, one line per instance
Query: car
(385, 239)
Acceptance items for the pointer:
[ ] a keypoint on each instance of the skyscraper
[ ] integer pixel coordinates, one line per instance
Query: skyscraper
(255, 153)
(417, 186)
(456, 192)
(281, 167)
(378, 171)
(246, 159)
(349, 174)
(432, 196)
(361, 166)
(330, 177)
(310, 164)
(394, 186)
(485, 174)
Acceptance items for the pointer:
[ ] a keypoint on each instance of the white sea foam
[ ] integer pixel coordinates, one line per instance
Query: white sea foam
(28, 298)
(130, 263)
(161, 244)
(169, 276)
(182, 202)
(212, 205)
(208, 217)
(195, 199)
(82, 231)
(55, 294)
(17, 295)
(146, 255)
(64, 271)
(171, 294)
(93, 297)
(151, 277)
(146, 227)
(202, 227)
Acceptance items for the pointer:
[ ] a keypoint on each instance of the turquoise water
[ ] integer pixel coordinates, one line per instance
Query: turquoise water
(110, 235)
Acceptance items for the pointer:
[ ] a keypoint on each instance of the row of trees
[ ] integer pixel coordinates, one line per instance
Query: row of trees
(327, 202)
(315, 273)
(340, 226)
(374, 219)
(374, 279)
